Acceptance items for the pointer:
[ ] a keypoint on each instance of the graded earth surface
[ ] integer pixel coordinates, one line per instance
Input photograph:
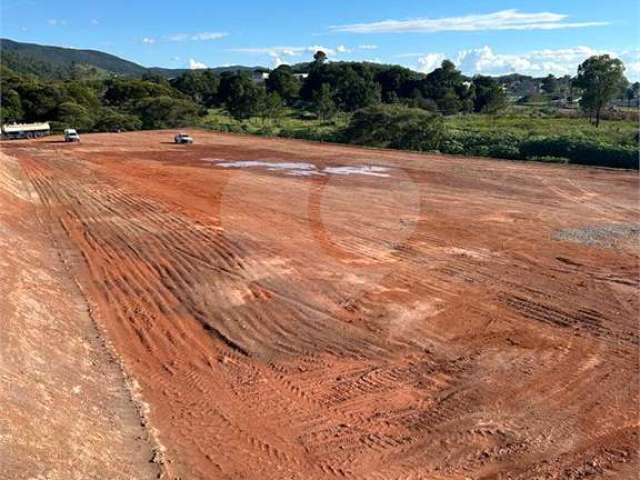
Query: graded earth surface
(256, 308)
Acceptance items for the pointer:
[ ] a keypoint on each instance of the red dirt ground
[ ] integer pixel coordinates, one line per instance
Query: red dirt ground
(419, 323)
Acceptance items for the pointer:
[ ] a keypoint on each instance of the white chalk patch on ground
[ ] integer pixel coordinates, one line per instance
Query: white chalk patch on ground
(302, 168)
(371, 170)
(292, 168)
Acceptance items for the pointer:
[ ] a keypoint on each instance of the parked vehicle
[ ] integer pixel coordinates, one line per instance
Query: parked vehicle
(70, 135)
(183, 138)
(25, 130)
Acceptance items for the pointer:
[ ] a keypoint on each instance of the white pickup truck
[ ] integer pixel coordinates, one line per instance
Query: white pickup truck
(70, 135)
(183, 138)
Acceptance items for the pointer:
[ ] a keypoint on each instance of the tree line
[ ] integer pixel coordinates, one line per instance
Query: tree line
(89, 102)
(119, 103)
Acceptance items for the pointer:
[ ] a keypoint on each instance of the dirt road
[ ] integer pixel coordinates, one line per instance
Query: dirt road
(303, 311)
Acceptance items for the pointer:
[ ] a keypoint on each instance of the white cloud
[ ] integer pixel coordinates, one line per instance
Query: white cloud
(149, 40)
(537, 62)
(290, 51)
(297, 51)
(631, 59)
(95, 21)
(429, 62)
(56, 22)
(194, 64)
(285, 55)
(178, 37)
(502, 20)
(200, 36)
(277, 61)
(559, 62)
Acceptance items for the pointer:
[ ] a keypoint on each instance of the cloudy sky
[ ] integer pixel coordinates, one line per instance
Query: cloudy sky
(490, 37)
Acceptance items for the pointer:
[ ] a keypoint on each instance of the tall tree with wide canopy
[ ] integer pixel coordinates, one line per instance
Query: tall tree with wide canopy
(600, 78)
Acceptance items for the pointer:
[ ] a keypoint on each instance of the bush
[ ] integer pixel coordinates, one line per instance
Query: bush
(581, 151)
(111, 120)
(577, 150)
(396, 126)
(166, 112)
(482, 145)
(315, 134)
(72, 115)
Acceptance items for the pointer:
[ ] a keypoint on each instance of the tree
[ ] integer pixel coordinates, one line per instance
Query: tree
(120, 92)
(39, 101)
(352, 84)
(449, 104)
(549, 84)
(155, 77)
(633, 92)
(323, 102)
(396, 126)
(283, 82)
(72, 115)
(10, 106)
(446, 87)
(395, 82)
(356, 88)
(201, 85)
(111, 120)
(319, 57)
(166, 112)
(271, 106)
(623, 86)
(241, 96)
(489, 95)
(571, 89)
(599, 77)
(82, 94)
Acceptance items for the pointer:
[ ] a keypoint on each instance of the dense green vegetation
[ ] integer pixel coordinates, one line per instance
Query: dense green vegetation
(351, 102)
(531, 122)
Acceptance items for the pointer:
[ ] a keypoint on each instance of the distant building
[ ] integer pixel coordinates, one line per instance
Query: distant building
(25, 130)
(259, 76)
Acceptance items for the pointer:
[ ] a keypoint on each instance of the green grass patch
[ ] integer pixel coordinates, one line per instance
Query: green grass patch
(615, 132)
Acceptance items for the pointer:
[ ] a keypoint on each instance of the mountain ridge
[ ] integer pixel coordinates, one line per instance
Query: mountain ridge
(51, 61)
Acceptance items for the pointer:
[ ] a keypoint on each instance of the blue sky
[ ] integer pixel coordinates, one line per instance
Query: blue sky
(490, 37)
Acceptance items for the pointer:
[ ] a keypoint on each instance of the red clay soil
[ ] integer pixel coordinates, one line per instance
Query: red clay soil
(431, 319)
(65, 410)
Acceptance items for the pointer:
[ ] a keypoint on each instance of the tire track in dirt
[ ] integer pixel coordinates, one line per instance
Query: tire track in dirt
(262, 368)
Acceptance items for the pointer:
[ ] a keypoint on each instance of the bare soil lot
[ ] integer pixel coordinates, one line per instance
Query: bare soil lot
(65, 411)
(295, 310)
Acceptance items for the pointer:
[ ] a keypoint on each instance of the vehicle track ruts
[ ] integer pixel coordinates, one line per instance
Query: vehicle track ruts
(459, 348)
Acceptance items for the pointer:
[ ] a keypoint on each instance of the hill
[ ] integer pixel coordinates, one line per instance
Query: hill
(52, 62)
(60, 62)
